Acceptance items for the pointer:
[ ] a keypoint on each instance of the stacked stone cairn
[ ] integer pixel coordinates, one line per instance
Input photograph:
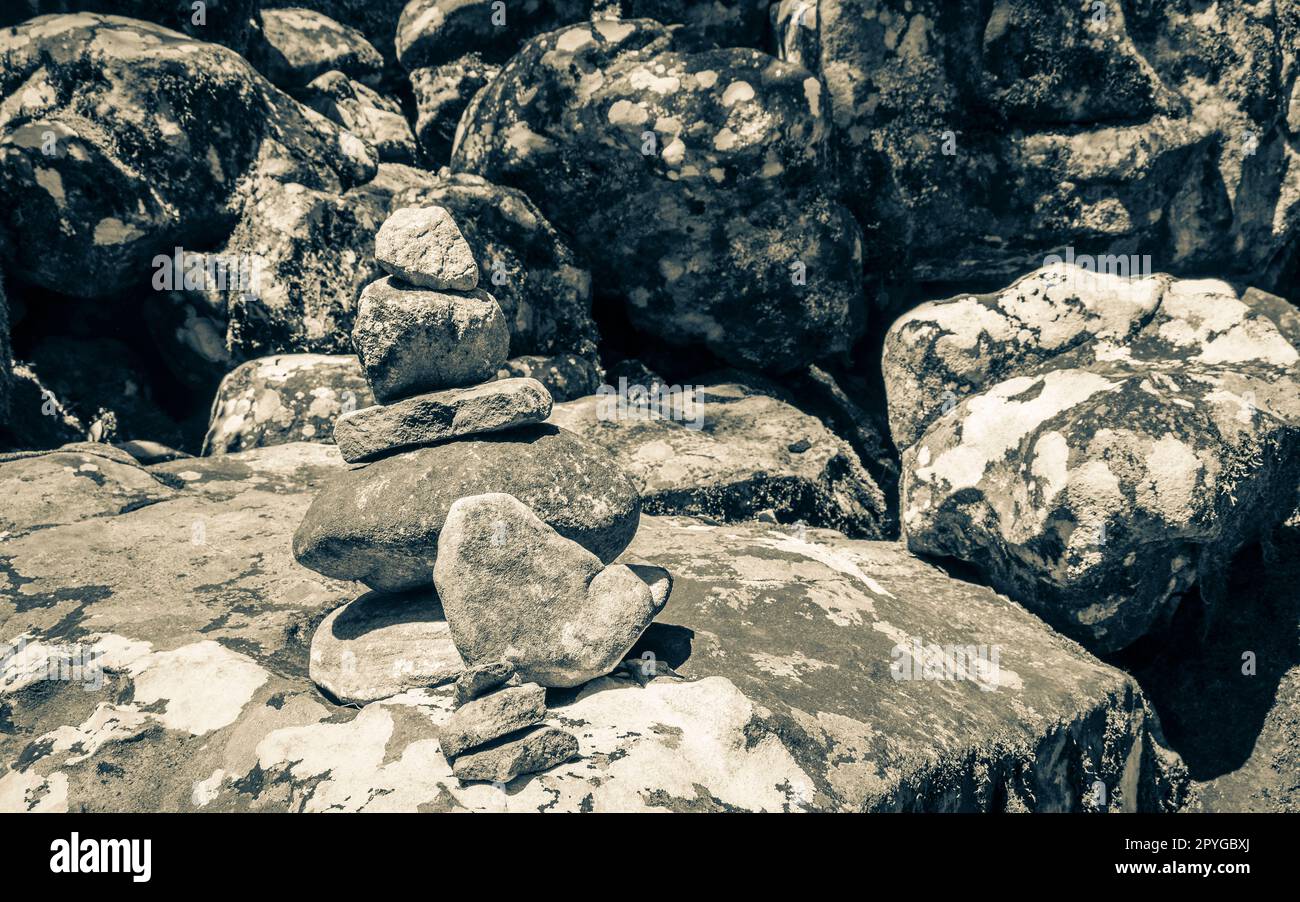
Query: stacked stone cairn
(526, 607)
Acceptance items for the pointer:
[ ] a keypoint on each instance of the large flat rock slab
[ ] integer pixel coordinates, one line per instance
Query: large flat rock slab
(770, 686)
(822, 631)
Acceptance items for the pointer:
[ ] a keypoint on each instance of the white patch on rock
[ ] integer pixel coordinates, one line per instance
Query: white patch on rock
(627, 113)
(1174, 471)
(27, 791)
(205, 685)
(1051, 460)
(206, 791)
(992, 424)
(111, 230)
(737, 92)
(812, 90)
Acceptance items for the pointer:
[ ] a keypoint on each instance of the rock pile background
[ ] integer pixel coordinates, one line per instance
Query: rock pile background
(300, 301)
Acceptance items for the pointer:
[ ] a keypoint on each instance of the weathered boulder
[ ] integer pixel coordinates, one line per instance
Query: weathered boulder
(432, 32)
(312, 253)
(366, 113)
(423, 247)
(380, 524)
(228, 22)
(788, 702)
(436, 417)
(441, 95)
(1028, 125)
(728, 450)
(491, 717)
(939, 353)
(116, 145)
(691, 182)
(286, 398)
(876, 668)
(381, 645)
(301, 44)
(1095, 446)
(516, 590)
(526, 264)
(413, 340)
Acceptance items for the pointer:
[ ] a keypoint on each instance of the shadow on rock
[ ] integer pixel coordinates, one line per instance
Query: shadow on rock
(667, 642)
(1214, 684)
(376, 610)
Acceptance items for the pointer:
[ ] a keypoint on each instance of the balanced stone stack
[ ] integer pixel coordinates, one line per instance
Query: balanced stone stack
(430, 342)
(463, 487)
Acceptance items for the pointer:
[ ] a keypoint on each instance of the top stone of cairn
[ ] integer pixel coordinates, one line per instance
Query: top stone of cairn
(424, 247)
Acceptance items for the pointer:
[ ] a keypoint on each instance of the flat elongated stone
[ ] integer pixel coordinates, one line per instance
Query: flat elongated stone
(480, 679)
(435, 417)
(491, 717)
(423, 246)
(541, 749)
(381, 645)
(413, 340)
(517, 590)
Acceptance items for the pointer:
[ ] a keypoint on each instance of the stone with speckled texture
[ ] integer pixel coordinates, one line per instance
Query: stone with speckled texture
(124, 188)
(432, 32)
(492, 716)
(423, 246)
(302, 44)
(441, 416)
(481, 678)
(366, 113)
(229, 22)
(441, 95)
(723, 146)
(285, 398)
(535, 751)
(1096, 445)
